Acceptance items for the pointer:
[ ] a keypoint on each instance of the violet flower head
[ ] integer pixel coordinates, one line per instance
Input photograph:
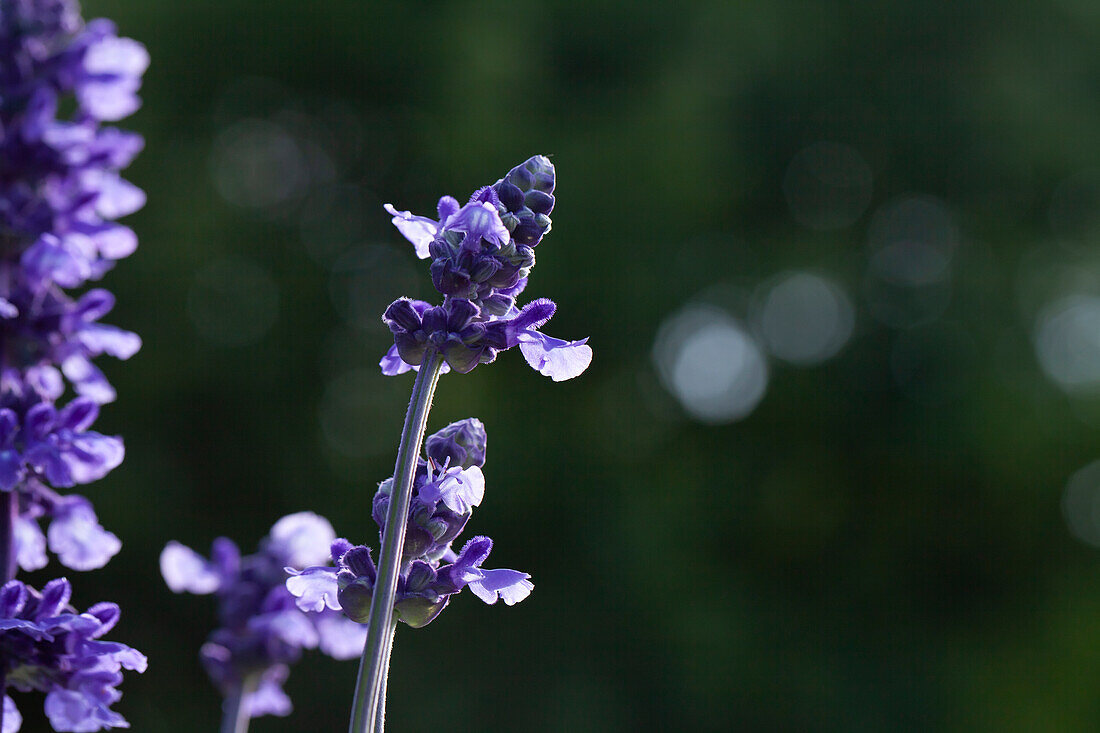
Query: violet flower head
(60, 193)
(60, 189)
(262, 631)
(48, 646)
(446, 489)
(43, 447)
(481, 256)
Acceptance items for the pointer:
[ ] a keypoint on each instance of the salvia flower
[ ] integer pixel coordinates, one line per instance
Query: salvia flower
(48, 646)
(60, 194)
(262, 630)
(60, 189)
(43, 447)
(447, 487)
(481, 256)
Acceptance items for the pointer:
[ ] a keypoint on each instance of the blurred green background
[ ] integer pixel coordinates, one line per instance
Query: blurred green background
(832, 466)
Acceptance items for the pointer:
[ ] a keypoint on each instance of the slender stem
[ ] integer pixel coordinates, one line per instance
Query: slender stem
(9, 512)
(380, 713)
(236, 711)
(376, 651)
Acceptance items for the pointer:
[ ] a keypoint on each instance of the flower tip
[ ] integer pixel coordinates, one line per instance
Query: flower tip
(419, 230)
(184, 569)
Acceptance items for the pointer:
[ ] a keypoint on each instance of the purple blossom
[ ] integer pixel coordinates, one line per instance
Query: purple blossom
(447, 488)
(59, 173)
(42, 446)
(60, 189)
(262, 629)
(482, 254)
(60, 193)
(50, 647)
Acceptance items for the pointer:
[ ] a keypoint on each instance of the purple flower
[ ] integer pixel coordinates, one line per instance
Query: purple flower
(61, 175)
(262, 629)
(482, 254)
(50, 647)
(107, 72)
(60, 192)
(447, 489)
(60, 188)
(41, 446)
(459, 489)
(74, 532)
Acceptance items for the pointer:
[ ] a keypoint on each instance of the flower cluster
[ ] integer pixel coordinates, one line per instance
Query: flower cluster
(60, 194)
(48, 646)
(482, 254)
(42, 446)
(447, 487)
(262, 630)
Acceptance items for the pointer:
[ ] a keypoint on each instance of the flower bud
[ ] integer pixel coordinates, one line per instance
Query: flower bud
(462, 443)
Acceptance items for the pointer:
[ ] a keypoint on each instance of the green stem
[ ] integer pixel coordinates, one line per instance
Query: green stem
(9, 512)
(372, 668)
(236, 712)
(380, 713)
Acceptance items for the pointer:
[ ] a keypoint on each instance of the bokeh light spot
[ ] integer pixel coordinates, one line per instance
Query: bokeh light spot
(1081, 504)
(1067, 342)
(912, 242)
(804, 319)
(258, 164)
(710, 363)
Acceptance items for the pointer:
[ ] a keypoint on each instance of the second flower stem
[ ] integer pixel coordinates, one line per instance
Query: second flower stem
(380, 712)
(376, 652)
(236, 710)
(9, 513)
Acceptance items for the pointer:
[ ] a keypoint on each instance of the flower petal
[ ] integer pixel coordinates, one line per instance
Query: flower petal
(555, 358)
(78, 540)
(269, 698)
(314, 588)
(13, 721)
(186, 570)
(459, 489)
(510, 586)
(302, 539)
(420, 230)
(30, 544)
(341, 638)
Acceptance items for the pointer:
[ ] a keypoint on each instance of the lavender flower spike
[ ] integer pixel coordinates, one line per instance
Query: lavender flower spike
(50, 647)
(482, 254)
(262, 631)
(60, 197)
(481, 257)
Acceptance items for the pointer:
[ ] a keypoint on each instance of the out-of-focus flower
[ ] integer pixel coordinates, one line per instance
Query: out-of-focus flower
(262, 630)
(48, 646)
